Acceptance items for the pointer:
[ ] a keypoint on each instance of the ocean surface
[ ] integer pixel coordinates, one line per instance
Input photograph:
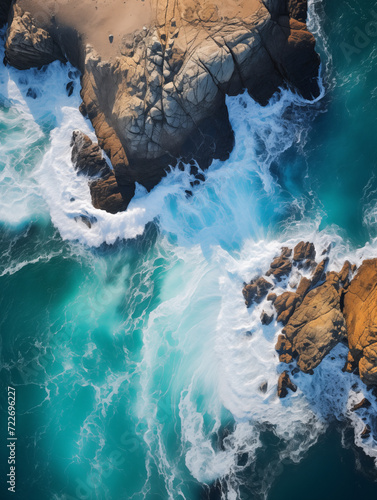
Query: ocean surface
(127, 342)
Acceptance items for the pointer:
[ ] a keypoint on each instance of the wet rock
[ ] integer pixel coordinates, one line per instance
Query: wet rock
(285, 383)
(364, 403)
(285, 305)
(360, 311)
(255, 291)
(303, 287)
(284, 349)
(304, 251)
(87, 156)
(266, 319)
(345, 273)
(106, 194)
(271, 297)
(316, 326)
(32, 93)
(281, 266)
(366, 432)
(319, 273)
(350, 364)
(70, 88)
(263, 387)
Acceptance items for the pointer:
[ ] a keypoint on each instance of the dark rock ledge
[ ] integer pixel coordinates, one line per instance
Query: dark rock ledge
(163, 96)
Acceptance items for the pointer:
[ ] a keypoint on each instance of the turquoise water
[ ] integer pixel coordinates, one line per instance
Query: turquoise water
(127, 343)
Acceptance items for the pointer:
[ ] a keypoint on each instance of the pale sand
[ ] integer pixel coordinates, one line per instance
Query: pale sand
(96, 20)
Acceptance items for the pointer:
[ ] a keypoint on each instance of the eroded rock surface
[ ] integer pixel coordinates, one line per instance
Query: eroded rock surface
(316, 326)
(87, 156)
(162, 93)
(360, 310)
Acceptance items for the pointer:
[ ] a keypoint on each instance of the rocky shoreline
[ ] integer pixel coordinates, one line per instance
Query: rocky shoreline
(160, 97)
(318, 309)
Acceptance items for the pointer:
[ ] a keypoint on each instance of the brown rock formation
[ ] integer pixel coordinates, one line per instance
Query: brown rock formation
(316, 326)
(360, 311)
(364, 403)
(285, 383)
(303, 251)
(256, 290)
(285, 349)
(281, 266)
(158, 91)
(285, 305)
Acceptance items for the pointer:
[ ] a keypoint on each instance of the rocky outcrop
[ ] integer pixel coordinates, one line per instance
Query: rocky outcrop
(360, 311)
(316, 326)
(285, 383)
(255, 291)
(319, 309)
(28, 45)
(281, 266)
(163, 96)
(87, 156)
(304, 251)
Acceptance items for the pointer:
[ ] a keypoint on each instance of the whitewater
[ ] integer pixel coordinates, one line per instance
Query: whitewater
(152, 348)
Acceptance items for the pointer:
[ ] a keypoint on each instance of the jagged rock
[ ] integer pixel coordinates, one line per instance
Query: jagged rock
(366, 432)
(345, 272)
(106, 194)
(271, 297)
(266, 319)
(28, 46)
(87, 156)
(162, 93)
(284, 348)
(281, 266)
(263, 387)
(319, 273)
(255, 291)
(360, 311)
(303, 287)
(285, 305)
(350, 364)
(316, 326)
(304, 251)
(285, 383)
(364, 403)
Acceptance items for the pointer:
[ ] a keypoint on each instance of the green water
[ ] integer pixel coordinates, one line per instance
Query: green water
(133, 380)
